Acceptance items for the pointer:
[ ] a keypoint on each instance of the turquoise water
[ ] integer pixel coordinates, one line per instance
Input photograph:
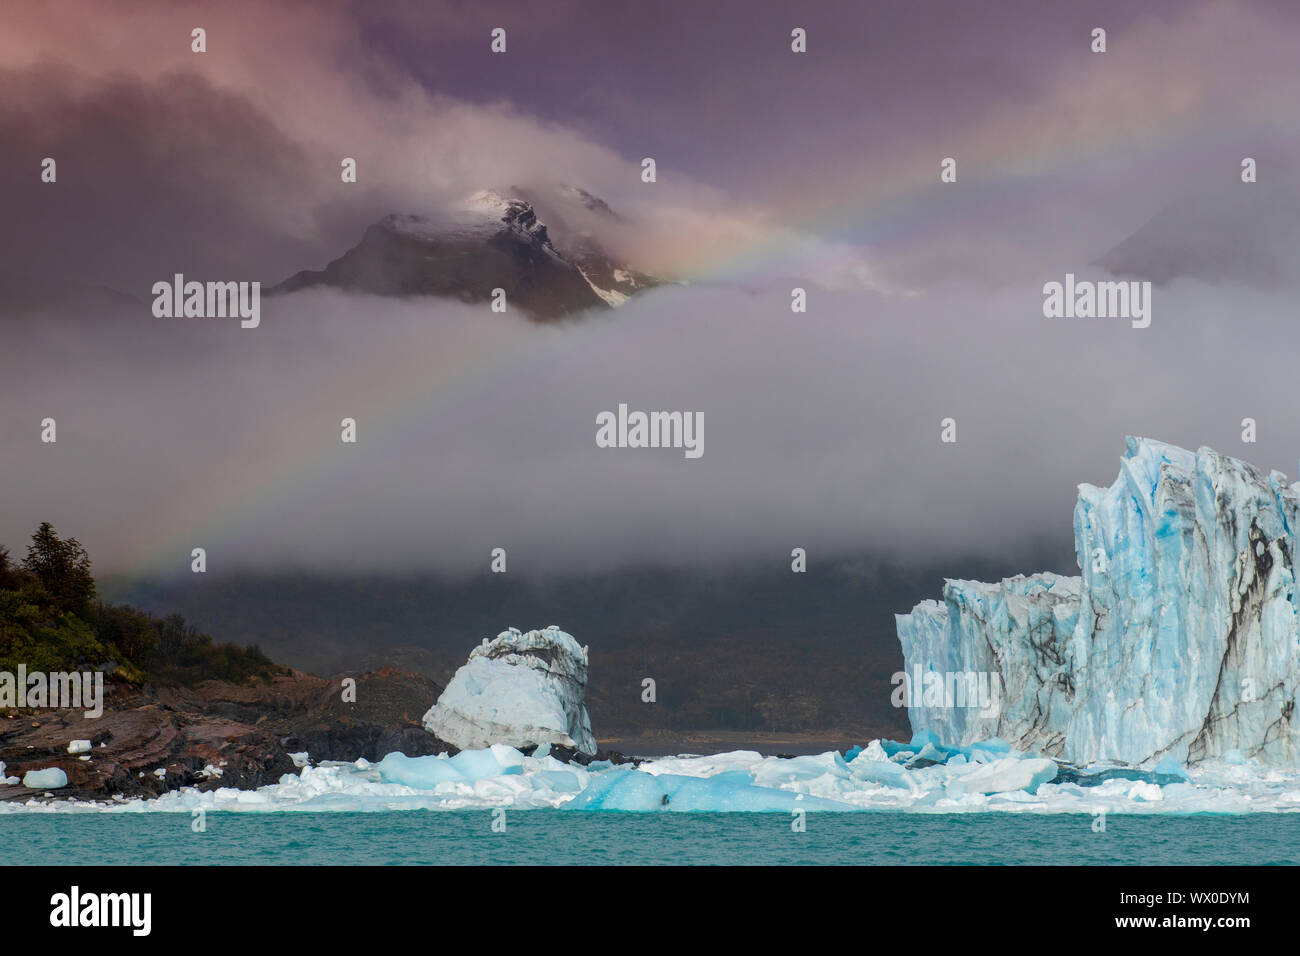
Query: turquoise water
(557, 837)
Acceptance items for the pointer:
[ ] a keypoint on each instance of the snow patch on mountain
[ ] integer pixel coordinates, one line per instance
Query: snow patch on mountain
(612, 296)
(483, 215)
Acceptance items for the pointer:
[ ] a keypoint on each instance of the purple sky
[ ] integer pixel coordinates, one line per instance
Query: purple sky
(819, 169)
(760, 151)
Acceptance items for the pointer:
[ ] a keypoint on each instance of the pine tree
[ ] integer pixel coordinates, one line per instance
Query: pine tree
(63, 569)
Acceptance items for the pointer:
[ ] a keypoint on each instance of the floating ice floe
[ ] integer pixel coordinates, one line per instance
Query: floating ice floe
(884, 775)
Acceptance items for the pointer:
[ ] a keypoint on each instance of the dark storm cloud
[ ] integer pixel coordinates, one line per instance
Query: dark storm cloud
(229, 159)
(227, 163)
(162, 173)
(478, 431)
(714, 87)
(713, 91)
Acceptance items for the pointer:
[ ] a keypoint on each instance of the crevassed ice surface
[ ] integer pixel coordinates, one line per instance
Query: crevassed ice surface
(1179, 639)
(519, 689)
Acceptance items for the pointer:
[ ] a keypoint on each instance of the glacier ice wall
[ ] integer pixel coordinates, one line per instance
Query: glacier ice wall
(1180, 638)
(519, 689)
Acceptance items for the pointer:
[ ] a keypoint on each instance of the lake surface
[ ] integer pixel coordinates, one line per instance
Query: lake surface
(422, 837)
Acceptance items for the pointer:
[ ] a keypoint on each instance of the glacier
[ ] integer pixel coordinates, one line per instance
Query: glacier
(1177, 642)
(521, 689)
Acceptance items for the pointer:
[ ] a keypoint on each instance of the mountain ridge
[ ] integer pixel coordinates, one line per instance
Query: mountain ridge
(490, 240)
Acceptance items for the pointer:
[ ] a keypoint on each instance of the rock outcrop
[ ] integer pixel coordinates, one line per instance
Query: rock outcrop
(215, 734)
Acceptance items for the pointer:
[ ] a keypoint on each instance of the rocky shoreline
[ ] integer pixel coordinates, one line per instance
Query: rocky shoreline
(215, 734)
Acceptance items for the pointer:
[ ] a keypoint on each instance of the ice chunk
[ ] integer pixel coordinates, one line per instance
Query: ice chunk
(468, 766)
(1170, 767)
(50, 779)
(420, 773)
(520, 690)
(560, 781)
(776, 772)
(883, 772)
(1146, 792)
(623, 788)
(732, 790)
(1009, 773)
(494, 761)
(79, 747)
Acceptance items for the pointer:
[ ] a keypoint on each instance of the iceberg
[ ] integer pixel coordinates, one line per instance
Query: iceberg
(520, 690)
(1178, 643)
(626, 789)
(51, 778)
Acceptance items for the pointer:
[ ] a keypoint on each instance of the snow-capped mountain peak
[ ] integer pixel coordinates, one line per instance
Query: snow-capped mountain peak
(491, 239)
